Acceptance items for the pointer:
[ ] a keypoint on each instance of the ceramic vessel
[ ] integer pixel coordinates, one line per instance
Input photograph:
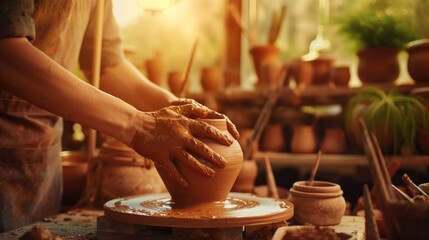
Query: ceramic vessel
(321, 204)
(74, 165)
(245, 181)
(418, 60)
(341, 76)
(334, 141)
(203, 189)
(378, 65)
(322, 70)
(302, 72)
(123, 172)
(155, 69)
(261, 55)
(273, 138)
(303, 139)
(212, 79)
(174, 81)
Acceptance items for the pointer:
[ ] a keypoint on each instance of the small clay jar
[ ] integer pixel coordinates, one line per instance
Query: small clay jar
(262, 54)
(203, 189)
(174, 81)
(334, 141)
(321, 204)
(245, 181)
(212, 79)
(418, 60)
(341, 76)
(273, 138)
(378, 65)
(155, 69)
(303, 139)
(322, 70)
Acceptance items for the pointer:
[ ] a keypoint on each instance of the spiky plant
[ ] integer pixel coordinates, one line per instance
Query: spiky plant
(403, 115)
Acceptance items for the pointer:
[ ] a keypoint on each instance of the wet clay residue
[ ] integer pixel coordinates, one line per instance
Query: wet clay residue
(39, 233)
(165, 207)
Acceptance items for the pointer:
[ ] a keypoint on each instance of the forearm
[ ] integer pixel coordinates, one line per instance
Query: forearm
(28, 73)
(126, 82)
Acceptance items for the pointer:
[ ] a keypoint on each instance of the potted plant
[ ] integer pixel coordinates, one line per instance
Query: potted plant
(377, 37)
(395, 118)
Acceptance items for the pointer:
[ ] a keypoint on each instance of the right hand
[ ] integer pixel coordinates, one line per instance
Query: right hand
(170, 134)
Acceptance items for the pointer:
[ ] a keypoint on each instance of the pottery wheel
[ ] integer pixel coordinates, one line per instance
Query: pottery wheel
(239, 209)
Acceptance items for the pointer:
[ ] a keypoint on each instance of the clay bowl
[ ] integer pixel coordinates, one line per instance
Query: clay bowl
(74, 167)
(418, 60)
(203, 189)
(321, 204)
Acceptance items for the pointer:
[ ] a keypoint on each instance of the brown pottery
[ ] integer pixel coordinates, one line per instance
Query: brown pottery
(418, 60)
(261, 55)
(378, 65)
(74, 165)
(303, 139)
(245, 181)
(203, 189)
(212, 79)
(321, 204)
(341, 76)
(322, 70)
(334, 141)
(174, 81)
(155, 69)
(273, 138)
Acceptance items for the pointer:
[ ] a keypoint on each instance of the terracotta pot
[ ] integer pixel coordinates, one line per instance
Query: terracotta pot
(321, 204)
(123, 172)
(418, 60)
(261, 55)
(273, 138)
(322, 70)
(341, 76)
(203, 189)
(334, 141)
(74, 165)
(270, 70)
(245, 181)
(302, 72)
(155, 69)
(303, 139)
(212, 79)
(174, 81)
(378, 65)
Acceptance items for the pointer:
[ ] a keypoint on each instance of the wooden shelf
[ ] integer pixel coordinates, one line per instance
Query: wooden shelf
(289, 159)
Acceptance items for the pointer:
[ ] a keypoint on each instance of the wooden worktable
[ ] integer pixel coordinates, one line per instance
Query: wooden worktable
(81, 225)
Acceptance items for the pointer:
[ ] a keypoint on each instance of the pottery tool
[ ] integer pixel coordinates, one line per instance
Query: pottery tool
(371, 230)
(409, 182)
(265, 113)
(271, 181)
(276, 24)
(315, 167)
(90, 190)
(383, 190)
(401, 193)
(185, 77)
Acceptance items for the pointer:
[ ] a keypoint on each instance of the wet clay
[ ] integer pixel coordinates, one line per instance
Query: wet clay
(236, 210)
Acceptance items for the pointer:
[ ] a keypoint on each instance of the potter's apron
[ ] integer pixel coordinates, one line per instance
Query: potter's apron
(30, 166)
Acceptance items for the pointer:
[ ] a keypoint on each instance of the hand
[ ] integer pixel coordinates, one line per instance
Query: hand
(208, 113)
(168, 134)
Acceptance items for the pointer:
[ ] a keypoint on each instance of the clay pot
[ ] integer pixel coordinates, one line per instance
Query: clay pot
(334, 141)
(155, 69)
(203, 189)
(123, 172)
(341, 76)
(273, 138)
(245, 181)
(378, 65)
(270, 70)
(418, 60)
(303, 139)
(321, 204)
(261, 55)
(74, 165)
(212, 79)
(302, 72)
(322, 70)
(174, 81)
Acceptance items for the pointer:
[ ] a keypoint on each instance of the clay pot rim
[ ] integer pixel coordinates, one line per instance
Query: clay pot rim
(315, 194)
(420, 43)
(318, 187)
(380, 50)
